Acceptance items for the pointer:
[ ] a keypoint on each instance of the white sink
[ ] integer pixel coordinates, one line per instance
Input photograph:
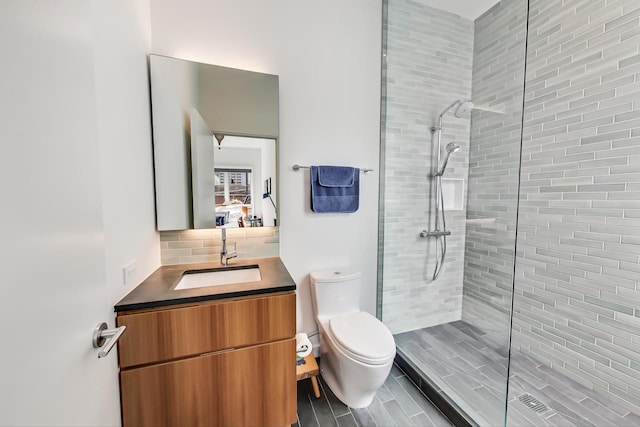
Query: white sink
(200, 279)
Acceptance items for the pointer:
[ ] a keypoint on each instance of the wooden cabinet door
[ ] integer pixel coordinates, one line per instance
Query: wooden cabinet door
(174, 333)
(252, 386)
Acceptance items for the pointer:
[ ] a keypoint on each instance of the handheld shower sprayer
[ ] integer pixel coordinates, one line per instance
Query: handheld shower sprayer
(451, 148)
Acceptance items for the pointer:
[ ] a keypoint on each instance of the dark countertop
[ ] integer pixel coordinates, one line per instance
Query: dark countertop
(157, 289)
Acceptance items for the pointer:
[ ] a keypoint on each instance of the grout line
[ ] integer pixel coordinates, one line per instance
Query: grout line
(384, 408)
(324, 395)
(370, 416)
(313, 409)
(408, 395)
(428, 400)
(321, 384)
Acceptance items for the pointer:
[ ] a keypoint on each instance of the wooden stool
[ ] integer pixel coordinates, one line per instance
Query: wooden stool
(309, 369)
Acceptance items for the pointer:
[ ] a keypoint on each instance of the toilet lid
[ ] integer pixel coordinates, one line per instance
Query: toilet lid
(363, 335)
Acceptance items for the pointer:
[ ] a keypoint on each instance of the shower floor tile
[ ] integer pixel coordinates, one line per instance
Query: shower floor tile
(397, 403)
(569, 403)
(471, 368)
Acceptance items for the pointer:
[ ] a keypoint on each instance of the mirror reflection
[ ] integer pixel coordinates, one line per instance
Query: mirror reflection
(215, 133)
(233, 181)
(245, 182)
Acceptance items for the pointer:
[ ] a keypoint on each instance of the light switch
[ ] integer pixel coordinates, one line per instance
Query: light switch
(129, 273)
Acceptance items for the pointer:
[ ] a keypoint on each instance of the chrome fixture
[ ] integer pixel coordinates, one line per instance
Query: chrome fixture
(451, 148)
(102, 336)
(225, 255)
(297, 167)
(463, 111)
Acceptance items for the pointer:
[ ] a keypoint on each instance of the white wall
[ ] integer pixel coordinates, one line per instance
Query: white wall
(77, 189)
(172, 144)
(122, 35)
(327, 55)
(203, 180)
(124, 134)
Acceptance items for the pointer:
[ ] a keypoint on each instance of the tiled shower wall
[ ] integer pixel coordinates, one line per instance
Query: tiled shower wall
(577, 302)
(187, 246)
(494, 167)
(427, 69)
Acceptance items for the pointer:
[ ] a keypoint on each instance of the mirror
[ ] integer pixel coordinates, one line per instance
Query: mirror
(232, 178)
(215, 133)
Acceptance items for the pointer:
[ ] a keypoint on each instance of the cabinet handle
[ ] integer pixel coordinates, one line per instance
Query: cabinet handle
(102, 336)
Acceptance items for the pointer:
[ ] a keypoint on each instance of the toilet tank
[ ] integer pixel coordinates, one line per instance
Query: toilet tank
(335, 292)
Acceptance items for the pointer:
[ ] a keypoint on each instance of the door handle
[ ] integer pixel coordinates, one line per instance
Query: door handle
(102, 336)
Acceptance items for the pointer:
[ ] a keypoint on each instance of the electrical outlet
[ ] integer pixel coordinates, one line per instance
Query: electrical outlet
(129, 273)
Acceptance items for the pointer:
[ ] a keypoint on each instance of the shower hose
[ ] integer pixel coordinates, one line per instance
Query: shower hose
(441, 241)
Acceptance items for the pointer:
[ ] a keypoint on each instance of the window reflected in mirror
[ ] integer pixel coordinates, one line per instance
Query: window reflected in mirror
(234, 203)
(228, 176)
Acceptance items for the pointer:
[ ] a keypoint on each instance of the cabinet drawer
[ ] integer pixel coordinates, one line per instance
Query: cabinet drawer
(173, 333)
(253, 386)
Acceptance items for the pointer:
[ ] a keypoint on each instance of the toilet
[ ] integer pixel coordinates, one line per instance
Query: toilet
(356, 349)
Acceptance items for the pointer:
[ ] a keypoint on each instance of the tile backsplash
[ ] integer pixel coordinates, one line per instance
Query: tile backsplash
(191, 246)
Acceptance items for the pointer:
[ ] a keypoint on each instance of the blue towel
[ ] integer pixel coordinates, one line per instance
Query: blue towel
(335, 189)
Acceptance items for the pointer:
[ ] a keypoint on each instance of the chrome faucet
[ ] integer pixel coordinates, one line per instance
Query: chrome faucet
(226, 255)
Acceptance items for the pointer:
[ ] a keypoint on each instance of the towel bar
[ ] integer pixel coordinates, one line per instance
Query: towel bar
(297, 167)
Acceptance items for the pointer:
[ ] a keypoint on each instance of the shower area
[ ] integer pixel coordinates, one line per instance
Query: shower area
(509, 258)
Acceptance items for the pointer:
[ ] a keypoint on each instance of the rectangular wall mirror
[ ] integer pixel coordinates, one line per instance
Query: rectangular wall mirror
(215, 141)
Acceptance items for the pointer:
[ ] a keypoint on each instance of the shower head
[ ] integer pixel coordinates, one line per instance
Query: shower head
(451, 148)
(464, 110)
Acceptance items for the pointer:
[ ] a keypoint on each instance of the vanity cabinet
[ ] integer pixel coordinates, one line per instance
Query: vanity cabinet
(228, 362)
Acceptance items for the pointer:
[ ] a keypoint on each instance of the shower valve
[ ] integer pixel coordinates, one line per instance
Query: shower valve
(436, 233)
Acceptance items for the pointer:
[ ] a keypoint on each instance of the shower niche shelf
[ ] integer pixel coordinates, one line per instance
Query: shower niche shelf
(453, 193)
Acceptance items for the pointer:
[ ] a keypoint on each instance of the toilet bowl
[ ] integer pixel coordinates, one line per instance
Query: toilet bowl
(356, 349)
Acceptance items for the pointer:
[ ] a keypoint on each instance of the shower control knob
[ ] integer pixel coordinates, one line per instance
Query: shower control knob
(435, 233)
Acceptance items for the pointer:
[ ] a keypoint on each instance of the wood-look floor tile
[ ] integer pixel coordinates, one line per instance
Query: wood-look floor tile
(471, 366)
(329, 411)
(346, 420)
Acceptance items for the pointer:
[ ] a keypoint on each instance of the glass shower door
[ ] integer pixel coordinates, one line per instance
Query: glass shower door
(575, 357)
(453, 332)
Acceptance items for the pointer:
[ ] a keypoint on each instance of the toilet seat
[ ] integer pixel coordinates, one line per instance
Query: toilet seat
(363, 337)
